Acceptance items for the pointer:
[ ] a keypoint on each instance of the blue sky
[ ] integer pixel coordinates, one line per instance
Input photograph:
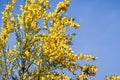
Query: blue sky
(99, 34)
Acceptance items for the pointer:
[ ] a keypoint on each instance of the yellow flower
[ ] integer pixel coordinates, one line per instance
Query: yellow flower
(77, 25)
(40, 61)
(13, 1)
(80, 56)
(9, 72)
(43, 78)
(4, 31)
(118, 77)
(62, 7)
(18, 44)
(12, 19)
(37, 63)
(40, 1)
(27, 53)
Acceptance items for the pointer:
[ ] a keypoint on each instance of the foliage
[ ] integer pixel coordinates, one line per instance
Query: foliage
(40, 51)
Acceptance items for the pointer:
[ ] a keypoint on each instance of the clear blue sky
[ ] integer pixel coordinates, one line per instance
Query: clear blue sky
(99, 34)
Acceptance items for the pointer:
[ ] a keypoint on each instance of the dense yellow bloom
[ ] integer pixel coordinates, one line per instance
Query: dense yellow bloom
(41, 50)
(62, 6)
(113, 77)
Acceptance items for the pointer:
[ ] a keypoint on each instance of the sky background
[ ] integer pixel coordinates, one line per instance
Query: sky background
(99, 34)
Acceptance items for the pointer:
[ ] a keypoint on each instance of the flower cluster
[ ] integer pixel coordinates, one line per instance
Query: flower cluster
(8, 23)
(113, 77)
(40, 49)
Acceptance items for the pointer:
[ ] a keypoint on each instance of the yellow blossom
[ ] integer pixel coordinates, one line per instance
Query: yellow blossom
(12, 19)
(45, 45)
(27, 53)
(13, 1)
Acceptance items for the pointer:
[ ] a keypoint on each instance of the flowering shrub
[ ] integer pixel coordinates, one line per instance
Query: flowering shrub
(40, 51)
